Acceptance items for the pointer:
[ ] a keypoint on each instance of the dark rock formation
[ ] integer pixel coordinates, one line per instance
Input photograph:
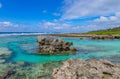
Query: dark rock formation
(7, 74)
(50, 45)
(89, 69)
(92, 36)
(103, 37)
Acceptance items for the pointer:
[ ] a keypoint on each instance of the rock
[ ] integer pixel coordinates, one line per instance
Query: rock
(87, 69)
(4, 54)
(7, 73)
(103, 37)
(50, 45)
(73, 49)
(2, 60)
(4, 51)
(20, 63)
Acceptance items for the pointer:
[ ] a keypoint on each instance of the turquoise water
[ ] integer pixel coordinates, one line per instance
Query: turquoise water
(25, 48)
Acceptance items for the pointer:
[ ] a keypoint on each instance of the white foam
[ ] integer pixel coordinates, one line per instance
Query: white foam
(16, 34)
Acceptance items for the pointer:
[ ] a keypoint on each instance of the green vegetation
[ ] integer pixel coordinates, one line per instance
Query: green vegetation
(106, 32)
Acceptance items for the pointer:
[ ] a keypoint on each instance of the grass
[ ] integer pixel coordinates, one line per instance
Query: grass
(106, 32)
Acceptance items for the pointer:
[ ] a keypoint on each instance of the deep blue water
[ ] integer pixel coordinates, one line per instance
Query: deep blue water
(25, 48)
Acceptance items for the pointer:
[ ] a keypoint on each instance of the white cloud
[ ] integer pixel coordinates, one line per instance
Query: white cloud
(7, 24)
(67, 27)
(104, 22)
(108, 12)
(102, 18)
(116, 17)
(58, 27)
(113, 18)
(0, 5)
(118, 14)
(56, 14)
(54, 25)
(74, 9)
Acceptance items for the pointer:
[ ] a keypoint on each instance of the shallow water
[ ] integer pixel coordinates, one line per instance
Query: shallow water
(25, 48)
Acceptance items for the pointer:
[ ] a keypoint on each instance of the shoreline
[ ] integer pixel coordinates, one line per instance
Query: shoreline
(92, 36)
(80, 35)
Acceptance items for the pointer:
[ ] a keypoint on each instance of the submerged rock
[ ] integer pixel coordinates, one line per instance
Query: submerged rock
(7, 74)
(2, 60)
(50, 45)
(4, 54)
(4, 51)
(28, 70)
(87, 69)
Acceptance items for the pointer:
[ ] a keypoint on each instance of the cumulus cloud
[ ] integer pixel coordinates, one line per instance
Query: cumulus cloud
(0, 5)
(8, 24)
(100, 25)
(54, 25)
(104, 22)
(116, 17)
(69, 27)
(102, 18)
(74, 9)
(108, 12)
(59, 27)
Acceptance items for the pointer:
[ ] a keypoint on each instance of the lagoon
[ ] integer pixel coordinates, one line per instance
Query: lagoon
(25, 48)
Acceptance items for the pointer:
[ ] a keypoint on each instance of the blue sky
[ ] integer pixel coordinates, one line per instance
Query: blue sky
(58, 15)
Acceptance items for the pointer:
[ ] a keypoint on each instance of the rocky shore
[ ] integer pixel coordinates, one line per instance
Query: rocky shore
(87, 69)
(91, 36)
(103, 37)
(51, 45)
(4, 54)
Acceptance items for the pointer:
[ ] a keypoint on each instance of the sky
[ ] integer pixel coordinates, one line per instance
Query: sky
(58, 15)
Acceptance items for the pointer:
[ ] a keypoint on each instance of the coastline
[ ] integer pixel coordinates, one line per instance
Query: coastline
(81, 35)
(92, 36)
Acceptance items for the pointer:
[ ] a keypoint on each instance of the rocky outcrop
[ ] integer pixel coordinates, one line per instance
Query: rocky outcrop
(4, 54)
(50, 45)
(103, 37)
(7, 73)
(87, 69)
